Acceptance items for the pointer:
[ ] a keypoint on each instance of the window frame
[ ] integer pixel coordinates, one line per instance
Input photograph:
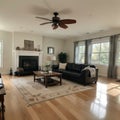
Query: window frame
(100, 52)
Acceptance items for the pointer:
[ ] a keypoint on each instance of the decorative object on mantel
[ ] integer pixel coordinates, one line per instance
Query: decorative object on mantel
(38, 50)
(17, 48)
(35, 49)
(29, 45)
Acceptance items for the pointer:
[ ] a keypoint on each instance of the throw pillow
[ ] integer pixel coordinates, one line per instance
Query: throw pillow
(62, 66)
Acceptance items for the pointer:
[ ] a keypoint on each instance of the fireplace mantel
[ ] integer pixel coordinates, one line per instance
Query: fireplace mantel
(27, 53)
(17, 53)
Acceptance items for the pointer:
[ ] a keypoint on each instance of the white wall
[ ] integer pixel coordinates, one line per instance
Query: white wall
(20, 37)
(7, 51)
(58, 45)
(69, 49)
(103, 70)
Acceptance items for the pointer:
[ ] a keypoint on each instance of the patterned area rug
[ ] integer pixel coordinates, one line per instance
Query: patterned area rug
(35, 92)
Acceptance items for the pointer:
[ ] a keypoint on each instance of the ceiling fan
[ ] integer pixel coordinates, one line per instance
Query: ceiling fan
(57, 22)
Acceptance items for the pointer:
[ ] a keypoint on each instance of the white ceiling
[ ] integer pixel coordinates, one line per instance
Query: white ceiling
(91, 15)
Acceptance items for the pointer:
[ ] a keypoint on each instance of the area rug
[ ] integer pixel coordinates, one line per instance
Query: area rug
(35, 92)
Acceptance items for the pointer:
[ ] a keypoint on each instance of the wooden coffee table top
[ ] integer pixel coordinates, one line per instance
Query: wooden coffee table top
(47, 77)
(41, 73)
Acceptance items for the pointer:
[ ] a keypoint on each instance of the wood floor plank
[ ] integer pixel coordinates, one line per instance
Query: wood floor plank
(101, 102)
(64, 110)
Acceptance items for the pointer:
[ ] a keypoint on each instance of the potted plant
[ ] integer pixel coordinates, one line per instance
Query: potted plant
(62, 57)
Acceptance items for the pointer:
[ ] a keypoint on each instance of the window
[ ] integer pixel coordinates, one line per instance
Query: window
(1, 46)
(80, 53)
(100, 52)
(118, 52)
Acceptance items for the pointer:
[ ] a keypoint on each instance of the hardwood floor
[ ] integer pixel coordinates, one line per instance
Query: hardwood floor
(100, 103)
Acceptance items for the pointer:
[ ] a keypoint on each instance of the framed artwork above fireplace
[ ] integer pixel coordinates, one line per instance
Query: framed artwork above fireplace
(28, 45)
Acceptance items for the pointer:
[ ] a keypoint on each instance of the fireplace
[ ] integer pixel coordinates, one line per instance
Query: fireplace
(27, 60)
(28, 63)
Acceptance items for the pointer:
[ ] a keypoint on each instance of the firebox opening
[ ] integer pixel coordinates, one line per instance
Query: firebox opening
(29, 63)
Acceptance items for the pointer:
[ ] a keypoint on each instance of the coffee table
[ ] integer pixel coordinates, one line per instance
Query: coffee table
(46, 77)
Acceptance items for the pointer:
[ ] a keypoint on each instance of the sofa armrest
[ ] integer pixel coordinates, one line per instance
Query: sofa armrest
(85, 74)
(55, 67)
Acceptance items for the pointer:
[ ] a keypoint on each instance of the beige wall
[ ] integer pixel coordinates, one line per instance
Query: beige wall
(7, 51)
(20, 37)
(103, 70)
(58, 45)
(69, 49)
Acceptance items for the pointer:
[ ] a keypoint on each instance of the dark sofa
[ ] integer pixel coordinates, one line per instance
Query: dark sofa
(75, 72)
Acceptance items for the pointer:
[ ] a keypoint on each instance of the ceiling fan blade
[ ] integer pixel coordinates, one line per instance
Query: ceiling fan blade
(62, 25)
(68, 21)
(45, 23)
(43, 18)
(54, 26)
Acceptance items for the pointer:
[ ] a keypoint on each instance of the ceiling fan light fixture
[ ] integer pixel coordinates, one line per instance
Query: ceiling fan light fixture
(55, 26)
(57, 22)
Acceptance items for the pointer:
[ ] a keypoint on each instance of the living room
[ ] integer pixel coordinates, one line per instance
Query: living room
(95, 21)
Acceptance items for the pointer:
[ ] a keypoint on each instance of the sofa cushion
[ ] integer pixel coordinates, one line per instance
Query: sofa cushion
(75, 67)
(71, 74)
(62, 66)
(69, 66)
